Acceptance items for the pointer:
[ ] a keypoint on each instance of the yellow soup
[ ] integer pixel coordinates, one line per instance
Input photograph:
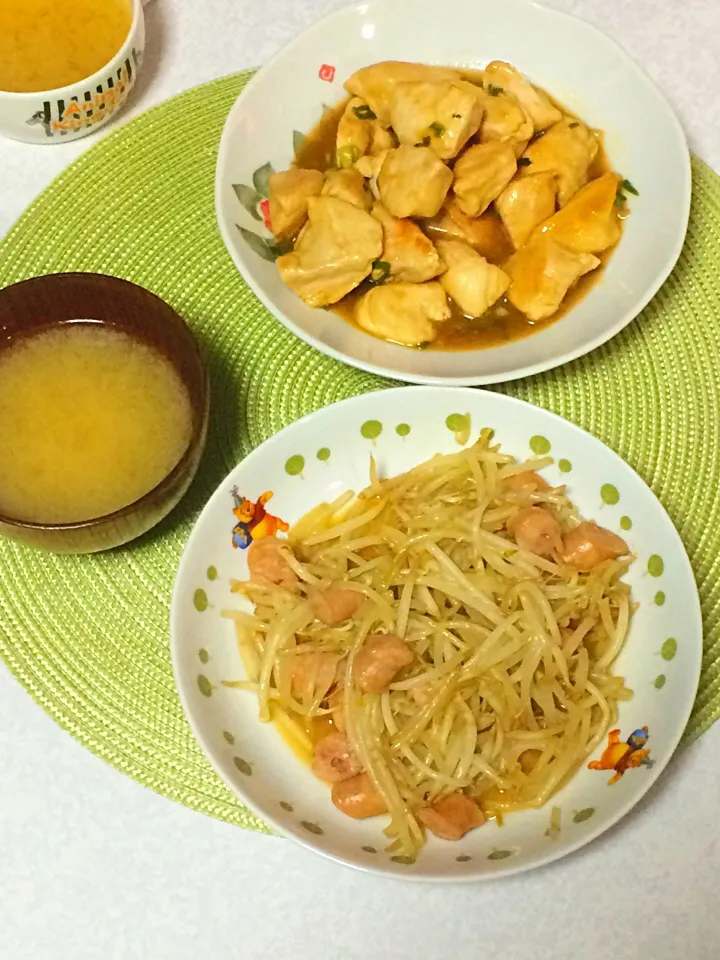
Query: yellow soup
(45, 44)
(90, 420)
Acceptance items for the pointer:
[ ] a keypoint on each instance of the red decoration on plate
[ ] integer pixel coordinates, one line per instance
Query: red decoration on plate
(265, 211)
(327, 72)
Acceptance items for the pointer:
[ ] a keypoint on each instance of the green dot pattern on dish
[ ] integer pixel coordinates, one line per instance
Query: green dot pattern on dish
(371, 429)
(323, 454)
(287, 807)
(540, 445)
(399, 858)
(659, 598)
(243, 766)
(457, 422)
(609, 494)
(294, 466)
(655, 566)
(204, 685)
(204, 655)
(212, 573)
(369, 849)
(580, 815)
(228, 737)
(564, 466)
(200, 600)
(625, 523)
(499, 855)
(402, 429)
(660, 681)
(669, 649)
(312, 827)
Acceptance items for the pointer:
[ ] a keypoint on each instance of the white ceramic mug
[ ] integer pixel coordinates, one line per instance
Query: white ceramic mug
(74, 111)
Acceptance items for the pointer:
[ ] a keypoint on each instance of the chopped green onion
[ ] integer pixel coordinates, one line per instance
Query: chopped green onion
(493, 90)
(380, 271)
(347, 155)
(524, 162)
(364, 112)
(629, 188)
(437, 128)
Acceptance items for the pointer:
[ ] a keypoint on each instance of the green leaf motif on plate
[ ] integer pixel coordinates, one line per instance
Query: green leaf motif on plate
(656, 566)
(659, 682)
(204, 655)
(402, 429)
(204, 685)
(581, 815)
(267, 249)
(287, 807)
(228, 737)
(323, 454)
(399, 858)
(249, 198)
(298, 140)
(261, 179)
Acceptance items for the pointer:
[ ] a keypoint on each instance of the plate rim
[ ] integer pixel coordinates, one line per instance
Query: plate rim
(623, 319)
(694, 614)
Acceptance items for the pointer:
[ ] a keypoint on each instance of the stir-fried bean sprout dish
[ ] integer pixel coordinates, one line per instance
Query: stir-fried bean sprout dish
(439, 648)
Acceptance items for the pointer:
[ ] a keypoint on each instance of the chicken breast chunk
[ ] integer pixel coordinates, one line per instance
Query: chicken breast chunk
(504, 119)
(347, 185)
(441, 114)
(525, 203)
(334, 253)
(411, 255)
(354, 133)
(413, 182)
(481, 174)
(542, 273)
(535, 103)
(403, 312)
(589, 222)
(375, 84)
(472, 282)
(567, 150)
(290, 191)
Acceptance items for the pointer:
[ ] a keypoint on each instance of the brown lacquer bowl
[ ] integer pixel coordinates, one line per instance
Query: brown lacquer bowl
(59, 298)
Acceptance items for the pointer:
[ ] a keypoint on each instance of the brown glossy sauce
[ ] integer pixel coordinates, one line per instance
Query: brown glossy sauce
(502, 323)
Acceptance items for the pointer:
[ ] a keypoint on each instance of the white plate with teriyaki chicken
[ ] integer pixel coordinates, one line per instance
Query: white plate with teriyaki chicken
(464, 202)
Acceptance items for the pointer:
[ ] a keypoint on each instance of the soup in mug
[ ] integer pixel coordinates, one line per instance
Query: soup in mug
(46, 44)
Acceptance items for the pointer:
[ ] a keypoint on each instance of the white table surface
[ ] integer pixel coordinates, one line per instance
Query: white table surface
(95, 867)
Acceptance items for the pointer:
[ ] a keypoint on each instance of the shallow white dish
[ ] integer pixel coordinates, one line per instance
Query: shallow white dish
(583, 68)
(319, 457)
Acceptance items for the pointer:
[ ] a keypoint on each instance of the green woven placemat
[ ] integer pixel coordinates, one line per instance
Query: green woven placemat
(88, 636)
